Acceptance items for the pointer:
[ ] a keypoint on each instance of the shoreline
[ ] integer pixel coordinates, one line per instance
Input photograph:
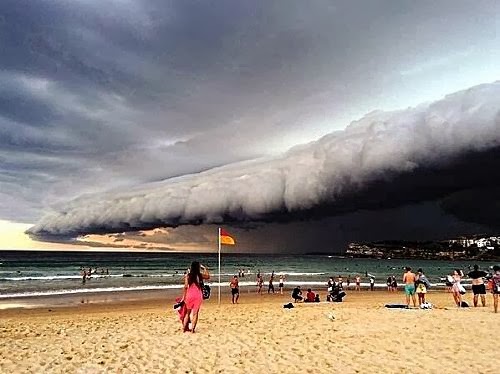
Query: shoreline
(168, 295)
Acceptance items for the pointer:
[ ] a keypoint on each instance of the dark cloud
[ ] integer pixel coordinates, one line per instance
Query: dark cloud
(387, 162)
(102, 95)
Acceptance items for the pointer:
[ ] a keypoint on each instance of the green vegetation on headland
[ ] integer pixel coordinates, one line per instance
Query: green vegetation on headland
(473, 248)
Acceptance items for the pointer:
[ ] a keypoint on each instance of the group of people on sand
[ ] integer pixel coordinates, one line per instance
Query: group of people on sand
(311, 296)
(417, 283)
(270, 287)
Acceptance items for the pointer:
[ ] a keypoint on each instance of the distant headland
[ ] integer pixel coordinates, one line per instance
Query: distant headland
(463, 248)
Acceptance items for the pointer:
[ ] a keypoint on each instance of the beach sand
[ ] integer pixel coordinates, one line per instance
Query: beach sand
(255, 336)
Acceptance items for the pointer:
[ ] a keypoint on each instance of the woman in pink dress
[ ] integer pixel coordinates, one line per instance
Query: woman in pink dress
(193, 295)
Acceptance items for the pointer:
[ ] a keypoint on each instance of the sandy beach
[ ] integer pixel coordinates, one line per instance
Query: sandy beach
(255, 336)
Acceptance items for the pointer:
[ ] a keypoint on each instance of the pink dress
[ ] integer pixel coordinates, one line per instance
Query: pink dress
(194, 297)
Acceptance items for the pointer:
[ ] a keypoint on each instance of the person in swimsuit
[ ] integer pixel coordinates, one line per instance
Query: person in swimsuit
(389, 284)
(495, 280)
(260, 283)
(456, 287)
(358, 283)
(235, 290)
(193, 295)
(409, 281)
(478, 286)
(281, 283)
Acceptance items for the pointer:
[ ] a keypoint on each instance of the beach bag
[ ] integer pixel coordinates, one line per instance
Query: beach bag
(205, 290)
(461, 289)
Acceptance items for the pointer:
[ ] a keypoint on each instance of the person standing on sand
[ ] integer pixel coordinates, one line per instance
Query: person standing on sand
(456, 287)
(358, 283)
(422, 284)
(394, 284)
(281, 283)
(478, 286)
(193, 295)
(271, 285)
(409, 281)
(260, 283)
(348, 281)
(389, 284)
(372, 284)
(495, 290)
(235, 290)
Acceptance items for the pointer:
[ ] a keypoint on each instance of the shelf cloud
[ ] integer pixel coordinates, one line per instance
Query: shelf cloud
(444, 151)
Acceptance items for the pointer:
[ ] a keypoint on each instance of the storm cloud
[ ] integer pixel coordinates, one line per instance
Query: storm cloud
(102, 95)
(383, 161)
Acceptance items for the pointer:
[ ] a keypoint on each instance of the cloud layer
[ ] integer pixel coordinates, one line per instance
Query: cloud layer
(341, 172)
(101, 95)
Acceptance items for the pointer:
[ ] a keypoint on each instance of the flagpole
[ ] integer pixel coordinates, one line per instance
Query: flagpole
(219, 269)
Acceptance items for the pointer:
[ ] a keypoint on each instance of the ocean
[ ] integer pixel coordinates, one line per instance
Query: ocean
(38, 273)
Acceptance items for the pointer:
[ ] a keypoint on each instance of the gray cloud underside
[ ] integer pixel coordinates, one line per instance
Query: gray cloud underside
(377, 150)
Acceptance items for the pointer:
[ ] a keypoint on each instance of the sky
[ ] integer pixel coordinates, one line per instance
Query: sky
(116, 98)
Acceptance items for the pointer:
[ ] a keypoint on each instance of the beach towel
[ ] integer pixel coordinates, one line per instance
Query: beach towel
(396, 306)
(181, 309)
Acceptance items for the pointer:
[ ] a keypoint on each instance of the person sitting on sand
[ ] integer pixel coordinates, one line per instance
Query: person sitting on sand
(310, 296)
(316, 298)
(478, 286)
(409, 281)
(297, 294)
(235, 290)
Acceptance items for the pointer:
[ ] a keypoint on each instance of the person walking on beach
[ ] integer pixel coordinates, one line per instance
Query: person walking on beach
(235, 290)
(281, 283)
(478, 286)
(422, 285)
(193, 295)
(456, 288)
(409, 281)
(495, 290)
(271, 285)
(372, 283)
